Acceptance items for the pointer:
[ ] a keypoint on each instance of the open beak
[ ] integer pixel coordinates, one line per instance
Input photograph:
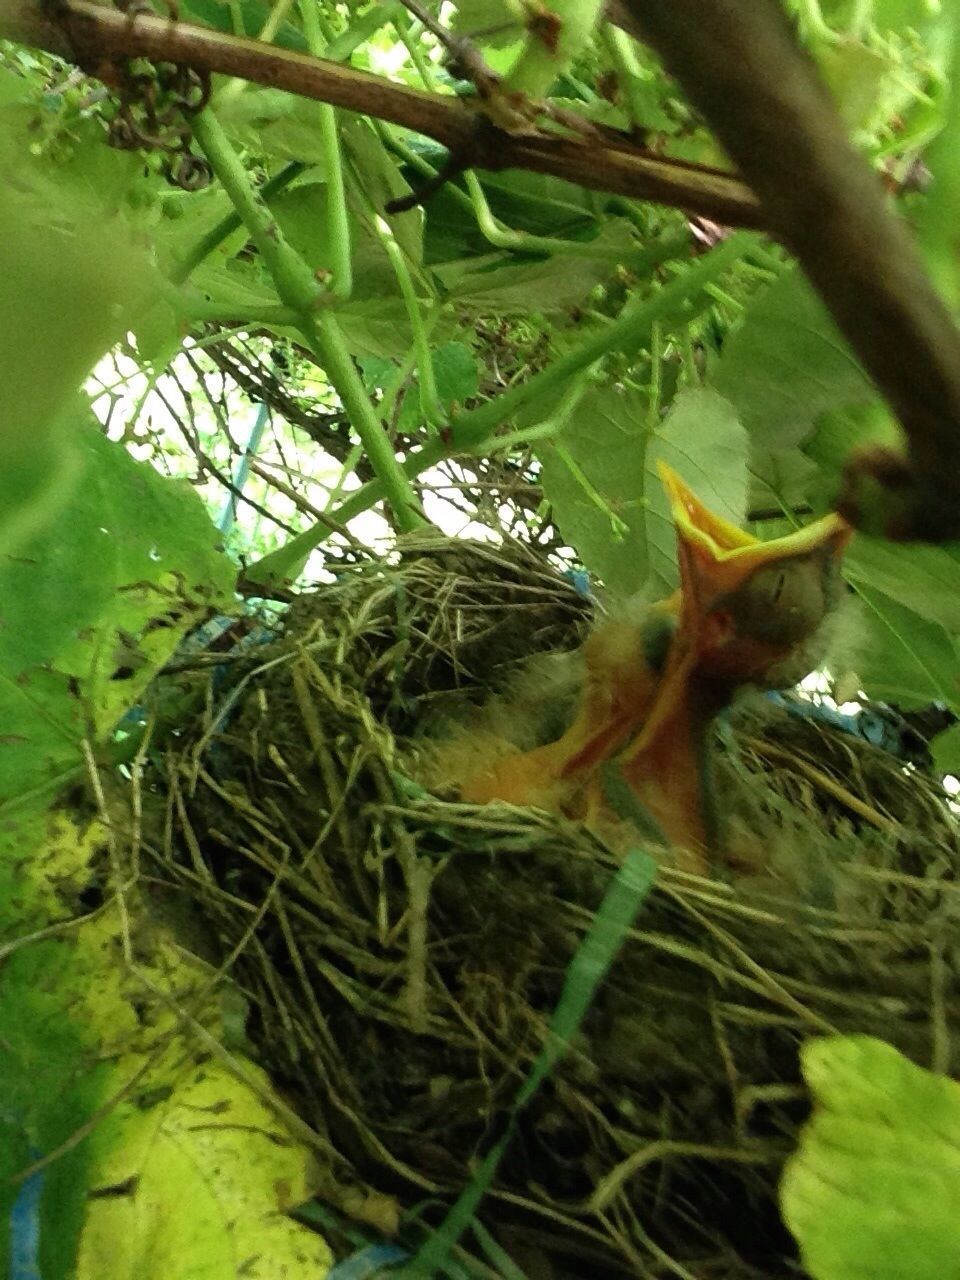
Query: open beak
(746, 604)
(750, 611)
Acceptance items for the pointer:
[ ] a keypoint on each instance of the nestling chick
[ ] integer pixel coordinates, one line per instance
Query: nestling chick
(746, 613)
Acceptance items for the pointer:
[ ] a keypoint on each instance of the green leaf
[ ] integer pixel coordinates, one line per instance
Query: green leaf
(52, 1087)
(93, 605)
(945, 749)
(924, 578)
(553, 284)
(594, 476)
(601, 479)
(226, 1181)
(73, 1039)
(372, 327)
(873, 1193)
(272, 122)
(53, 1082)
(542, 205)
(703, 439)
(787, 364)
(902, 658)
(456, 374)
(71, 283)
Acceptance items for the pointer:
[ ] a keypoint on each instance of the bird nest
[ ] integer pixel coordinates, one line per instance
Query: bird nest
(402, 953)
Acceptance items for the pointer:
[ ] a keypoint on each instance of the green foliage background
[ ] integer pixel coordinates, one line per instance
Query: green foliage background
(515, 335)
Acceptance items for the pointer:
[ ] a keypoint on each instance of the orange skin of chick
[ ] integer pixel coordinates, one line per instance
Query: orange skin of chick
(650, 713)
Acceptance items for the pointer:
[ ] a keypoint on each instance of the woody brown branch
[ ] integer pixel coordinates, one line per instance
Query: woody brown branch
(96, 36)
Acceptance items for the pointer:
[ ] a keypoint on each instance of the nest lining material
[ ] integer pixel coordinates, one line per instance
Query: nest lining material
(403, 953)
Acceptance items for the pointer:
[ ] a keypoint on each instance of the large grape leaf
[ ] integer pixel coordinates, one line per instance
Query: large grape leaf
(52, 1081)
(873, 1193)
(594, 476)
(272, 122)
(71, 282)
(52, 1085)
(94, 603)
(226, 1181)
(601, 479)
(786, 364)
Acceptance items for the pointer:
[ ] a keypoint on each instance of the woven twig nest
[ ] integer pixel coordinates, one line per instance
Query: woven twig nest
(403, 953)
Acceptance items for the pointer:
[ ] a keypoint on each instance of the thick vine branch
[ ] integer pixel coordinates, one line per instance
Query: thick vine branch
(741, 66)
(95, 36)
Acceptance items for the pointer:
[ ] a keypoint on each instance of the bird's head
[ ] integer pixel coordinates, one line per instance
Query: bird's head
(753, 611)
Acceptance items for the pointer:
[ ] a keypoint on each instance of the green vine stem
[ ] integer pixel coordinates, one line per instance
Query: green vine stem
(298, 289)
(476, 429)
(337, 219)
(296, 284)
(326, 342)
(429, 399)
(418, 311)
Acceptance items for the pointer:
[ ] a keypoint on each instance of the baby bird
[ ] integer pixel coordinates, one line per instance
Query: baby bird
(746, 613)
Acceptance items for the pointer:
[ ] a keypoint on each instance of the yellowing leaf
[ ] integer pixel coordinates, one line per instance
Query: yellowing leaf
(196, 1187)
(188, 1169)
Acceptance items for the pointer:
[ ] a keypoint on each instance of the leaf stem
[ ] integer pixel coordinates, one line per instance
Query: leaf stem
(230, 223)
(296, 284)
(337, 219)
(297, 288)
(325, 340)
(429, 399)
